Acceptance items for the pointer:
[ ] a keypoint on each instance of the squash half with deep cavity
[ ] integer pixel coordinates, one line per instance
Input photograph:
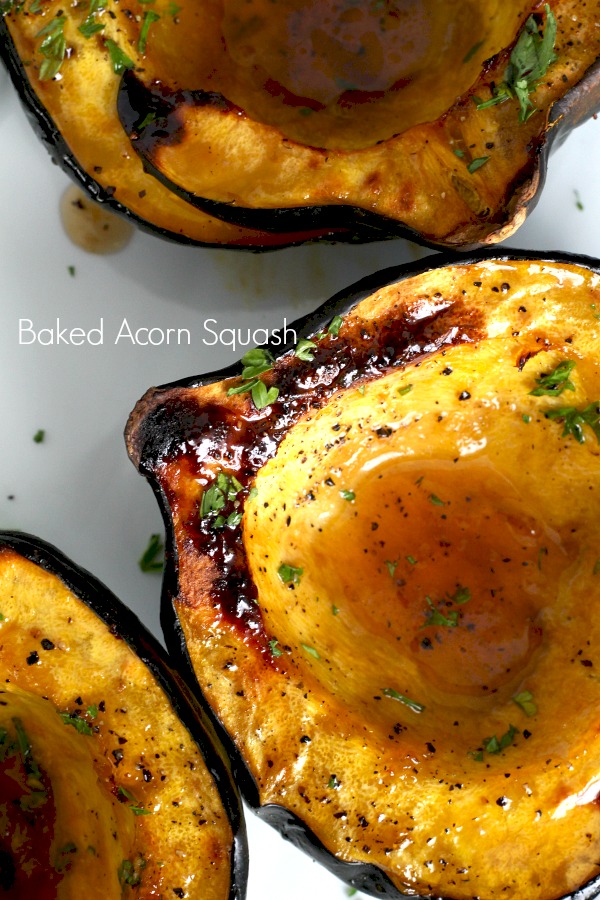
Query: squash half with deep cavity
(111, 785)
(256, 124)
(386, 579)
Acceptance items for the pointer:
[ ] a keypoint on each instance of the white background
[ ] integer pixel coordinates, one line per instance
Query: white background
(77, 489)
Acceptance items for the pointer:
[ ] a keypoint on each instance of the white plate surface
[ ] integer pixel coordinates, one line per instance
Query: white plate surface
(77, 489)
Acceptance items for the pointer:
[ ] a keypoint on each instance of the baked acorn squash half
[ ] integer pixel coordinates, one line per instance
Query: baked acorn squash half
(261, 124)
(384, 572)
(111, 785)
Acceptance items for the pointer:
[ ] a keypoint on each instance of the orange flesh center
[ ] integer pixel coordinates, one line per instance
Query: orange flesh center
(346, 73)
(450, 572)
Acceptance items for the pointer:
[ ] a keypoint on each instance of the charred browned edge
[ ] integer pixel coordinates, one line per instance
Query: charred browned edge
(238, 439)
(342, 222)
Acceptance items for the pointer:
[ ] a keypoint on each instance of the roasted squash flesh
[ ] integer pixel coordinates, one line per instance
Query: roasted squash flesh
(261, 124)
(400, 632)
(104, 792)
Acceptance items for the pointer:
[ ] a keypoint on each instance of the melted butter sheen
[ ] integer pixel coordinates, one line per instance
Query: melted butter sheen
(90, 225)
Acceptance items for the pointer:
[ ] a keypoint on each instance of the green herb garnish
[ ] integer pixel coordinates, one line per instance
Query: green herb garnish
(311, 651)
(435, 616)
(135, 807)
(496, 745)
(405, 390)
(119, 59)
(80, 725)
(333, 783)
(39, 436)
(402, 698)
(578, 202)
(477, 163)
(391, 567)
(347, 495)
(335, 325)
(223, 490)
(90, 26)
(574, 419)
(460, 596)
(152, 558)
(92, 711)
(525, 700)
(436, 500)
(555, 382)
(469, 56)
(275, 648)
(529, 61)
(131, 872)
(256, 362)
(149, 18)
(305, 350)
(53, 48)
(290, 574)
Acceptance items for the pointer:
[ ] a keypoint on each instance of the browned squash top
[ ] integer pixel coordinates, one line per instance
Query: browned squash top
(388, 575)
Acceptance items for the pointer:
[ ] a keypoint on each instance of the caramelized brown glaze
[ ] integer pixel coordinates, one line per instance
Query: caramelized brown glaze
(420, 690)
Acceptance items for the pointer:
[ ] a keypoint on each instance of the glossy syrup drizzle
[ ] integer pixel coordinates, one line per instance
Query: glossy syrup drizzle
(202, 440)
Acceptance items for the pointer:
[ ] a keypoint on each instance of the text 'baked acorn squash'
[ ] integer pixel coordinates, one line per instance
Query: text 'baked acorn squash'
(109, 784)
(260, 124)
(385, 568)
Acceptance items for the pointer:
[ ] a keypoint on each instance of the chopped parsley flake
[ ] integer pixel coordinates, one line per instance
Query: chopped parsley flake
(256, 362)
(347, 495)
(477, 163)
(223, 490)
(335, 325)
(402, 698)
(131, 872)
(525, 700)
(469, 56)
(411, 560)
(305, 350)
(436, 500)
(39, 436)
(555, 382)
(311, 651)
(135, 807)
(333, 782)
(435, 616)
(578, 202)
(152, 559)
(119, 59)
(80, 725)
(90, 26)
(529, 61)
(275, 648)
(290, 574)
(574, 419)
(391, 567)
(53, 48)
(405, 390)
(149, 18)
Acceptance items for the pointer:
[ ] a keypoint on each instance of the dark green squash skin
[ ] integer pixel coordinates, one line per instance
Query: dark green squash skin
(126, 626)
(147, 443)
(337, 223)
